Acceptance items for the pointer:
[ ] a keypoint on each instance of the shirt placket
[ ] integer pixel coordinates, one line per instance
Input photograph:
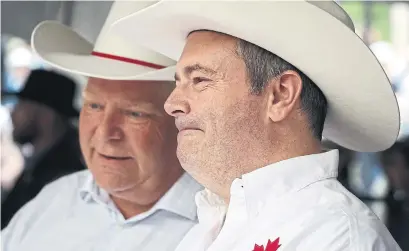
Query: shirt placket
(236, 219)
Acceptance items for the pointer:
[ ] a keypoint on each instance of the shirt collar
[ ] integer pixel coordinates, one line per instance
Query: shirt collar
(254, 189)
(179, 199)
(210, 207)
(88, 189)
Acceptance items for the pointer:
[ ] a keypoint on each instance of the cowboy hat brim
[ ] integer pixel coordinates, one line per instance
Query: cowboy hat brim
(64, 49)
(363, 114)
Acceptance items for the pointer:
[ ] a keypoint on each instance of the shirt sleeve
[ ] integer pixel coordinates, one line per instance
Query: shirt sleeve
(373, 235)
(342, 231)
(328, 232)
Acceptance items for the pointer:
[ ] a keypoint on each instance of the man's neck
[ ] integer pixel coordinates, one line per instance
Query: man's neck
(274, 155)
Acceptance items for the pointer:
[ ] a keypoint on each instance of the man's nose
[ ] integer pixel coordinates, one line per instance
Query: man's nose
(110, 127)
(177, 103)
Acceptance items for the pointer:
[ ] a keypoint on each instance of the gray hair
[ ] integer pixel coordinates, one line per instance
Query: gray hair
(262, 66)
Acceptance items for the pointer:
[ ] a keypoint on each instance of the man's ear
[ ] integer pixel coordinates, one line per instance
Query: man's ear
(283, 93)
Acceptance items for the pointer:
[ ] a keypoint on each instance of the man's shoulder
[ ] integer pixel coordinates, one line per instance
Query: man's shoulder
(337, 227)
(349, 226)
(64, 187)
(332, 211)
(53, 200)
(323, 216)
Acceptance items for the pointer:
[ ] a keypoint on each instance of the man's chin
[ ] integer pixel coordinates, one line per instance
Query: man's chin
(189, 158)
(185, 154)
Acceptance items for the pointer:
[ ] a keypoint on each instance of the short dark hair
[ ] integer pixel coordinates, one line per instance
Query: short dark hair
(262, 66)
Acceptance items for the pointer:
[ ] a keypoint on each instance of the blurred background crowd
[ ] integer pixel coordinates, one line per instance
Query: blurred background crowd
(38, 118)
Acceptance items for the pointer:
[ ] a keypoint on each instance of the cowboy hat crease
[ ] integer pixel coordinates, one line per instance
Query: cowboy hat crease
(111, 57)
(319, 39)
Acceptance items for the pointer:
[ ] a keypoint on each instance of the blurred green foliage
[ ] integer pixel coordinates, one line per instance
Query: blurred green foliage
(380, 16)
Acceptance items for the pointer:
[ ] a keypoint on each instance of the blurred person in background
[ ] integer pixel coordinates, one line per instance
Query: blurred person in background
(135, 195)
(42, 118)
(11, 159)
(18, 63)
(395, 161)
(19, 60)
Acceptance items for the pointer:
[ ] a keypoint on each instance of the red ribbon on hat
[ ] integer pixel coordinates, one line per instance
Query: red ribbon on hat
(127, 60)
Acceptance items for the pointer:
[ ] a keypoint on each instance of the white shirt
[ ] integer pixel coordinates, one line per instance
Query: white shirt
(296, 204)
(74, 214)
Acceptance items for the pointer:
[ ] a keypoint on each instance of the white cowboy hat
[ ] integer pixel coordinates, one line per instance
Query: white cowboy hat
(317, 37)
(111, 57)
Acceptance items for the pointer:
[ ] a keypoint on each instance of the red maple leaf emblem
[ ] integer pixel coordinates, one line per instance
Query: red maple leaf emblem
(271, 246)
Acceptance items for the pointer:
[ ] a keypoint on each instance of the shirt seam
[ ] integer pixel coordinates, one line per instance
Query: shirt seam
(351, 229)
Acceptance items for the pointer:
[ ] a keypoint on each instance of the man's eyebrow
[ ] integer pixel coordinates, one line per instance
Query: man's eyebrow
(188, 70)
(198, 67)
(142, 106)
(139, 104)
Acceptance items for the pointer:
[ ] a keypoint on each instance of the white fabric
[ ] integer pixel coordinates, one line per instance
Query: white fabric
(297, 203)
(72, 213)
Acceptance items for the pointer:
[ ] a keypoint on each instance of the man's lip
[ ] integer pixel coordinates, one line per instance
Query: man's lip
(114, 157)
(189, 128)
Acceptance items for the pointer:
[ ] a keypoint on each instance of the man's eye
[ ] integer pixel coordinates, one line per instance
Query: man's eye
(95, 106)
(198, 80)
(135, 114)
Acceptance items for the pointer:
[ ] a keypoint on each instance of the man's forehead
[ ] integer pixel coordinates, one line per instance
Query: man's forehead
(131, 90)
(207, 52)
(97, 84)
(111, 82)
(205, 40)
